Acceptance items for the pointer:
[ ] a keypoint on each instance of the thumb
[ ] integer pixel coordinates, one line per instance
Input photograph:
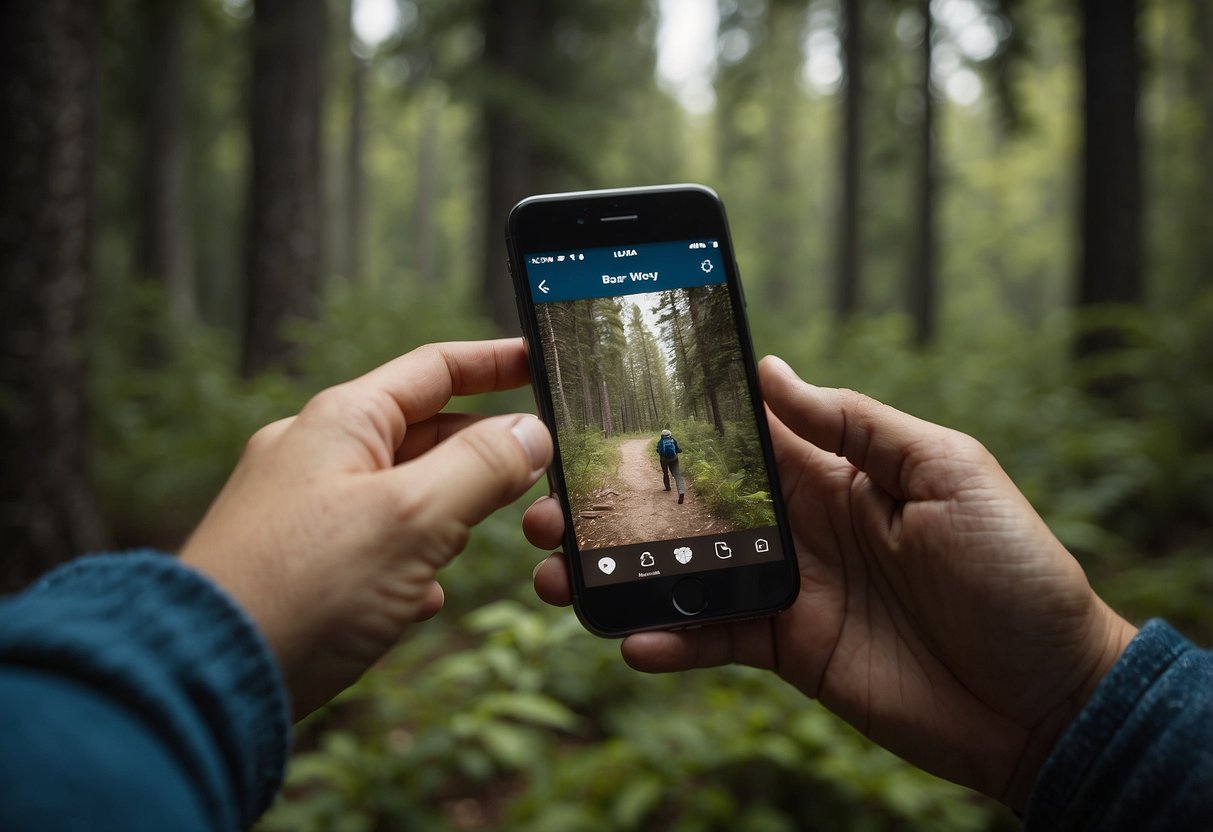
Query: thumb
(476, 471)
(875, 438)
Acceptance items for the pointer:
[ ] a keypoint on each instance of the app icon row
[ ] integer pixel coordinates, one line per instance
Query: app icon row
(682, 554)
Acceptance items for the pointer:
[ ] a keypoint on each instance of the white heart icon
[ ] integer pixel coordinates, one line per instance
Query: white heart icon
(607, 565)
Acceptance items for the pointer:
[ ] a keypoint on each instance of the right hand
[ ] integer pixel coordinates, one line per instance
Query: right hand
(937, 612)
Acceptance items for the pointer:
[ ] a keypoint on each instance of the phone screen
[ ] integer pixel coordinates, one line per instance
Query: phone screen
(656, 430)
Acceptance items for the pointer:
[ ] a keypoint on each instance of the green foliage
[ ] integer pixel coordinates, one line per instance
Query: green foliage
(589, 461)
(169, 432)
(499, 714)
(534, 725)
(727, 471)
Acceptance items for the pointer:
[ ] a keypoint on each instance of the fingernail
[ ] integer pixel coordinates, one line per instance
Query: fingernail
(538, 566)
(533, 435)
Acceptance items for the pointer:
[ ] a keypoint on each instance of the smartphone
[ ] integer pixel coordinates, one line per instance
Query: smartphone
(634, 316)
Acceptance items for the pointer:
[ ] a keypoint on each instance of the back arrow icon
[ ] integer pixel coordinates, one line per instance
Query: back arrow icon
(543, 288)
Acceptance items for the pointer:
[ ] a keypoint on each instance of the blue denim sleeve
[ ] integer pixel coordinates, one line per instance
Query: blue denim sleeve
(135, 695)
(1139, 756)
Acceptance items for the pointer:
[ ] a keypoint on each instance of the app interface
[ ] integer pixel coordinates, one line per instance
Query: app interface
(654, 421)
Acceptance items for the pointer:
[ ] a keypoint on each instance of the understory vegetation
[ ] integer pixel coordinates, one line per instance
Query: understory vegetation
(726, 471)
(502, 713)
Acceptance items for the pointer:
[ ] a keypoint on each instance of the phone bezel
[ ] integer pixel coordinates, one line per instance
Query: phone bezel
(553, 222)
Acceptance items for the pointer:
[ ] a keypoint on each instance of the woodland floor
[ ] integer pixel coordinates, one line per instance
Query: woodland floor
(631, 507)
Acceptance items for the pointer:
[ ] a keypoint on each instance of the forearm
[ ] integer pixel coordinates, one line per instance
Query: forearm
(140, 697)
(1138, 755)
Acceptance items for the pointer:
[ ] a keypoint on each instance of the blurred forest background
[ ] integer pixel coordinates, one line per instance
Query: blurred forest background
(992, 213)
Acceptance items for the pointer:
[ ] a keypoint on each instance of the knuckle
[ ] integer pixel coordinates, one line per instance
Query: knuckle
(262, 438)
(406, 508)
(496, 452)
(860, 404)
(333, 402)
(450, 537)
(968, 447)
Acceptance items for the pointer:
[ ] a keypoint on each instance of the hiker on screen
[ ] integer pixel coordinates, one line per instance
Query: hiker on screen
(668, 451)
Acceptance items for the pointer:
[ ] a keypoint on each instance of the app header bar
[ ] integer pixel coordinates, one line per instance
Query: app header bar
(622, 270)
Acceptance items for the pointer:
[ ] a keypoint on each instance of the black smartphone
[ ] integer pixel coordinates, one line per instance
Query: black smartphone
(633, 312)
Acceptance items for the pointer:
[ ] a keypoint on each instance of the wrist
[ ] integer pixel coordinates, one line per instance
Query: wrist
(1110, 635)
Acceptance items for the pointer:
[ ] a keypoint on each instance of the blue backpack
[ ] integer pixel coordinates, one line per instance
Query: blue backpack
(666, 448)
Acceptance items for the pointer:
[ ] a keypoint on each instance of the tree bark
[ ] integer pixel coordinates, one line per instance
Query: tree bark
(283, 263)
(921, 285)
(680, 352)
(848, 269)
(355, 173)
(1203, 19)
(48, 66)
(427, 186)
(566, 417)
(166, 244)
(783, 58)
(604, 394)
(709, 380)
(511, 29)
(1110, 260)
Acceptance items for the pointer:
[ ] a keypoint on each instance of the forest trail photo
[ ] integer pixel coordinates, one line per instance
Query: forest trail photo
(632, 506)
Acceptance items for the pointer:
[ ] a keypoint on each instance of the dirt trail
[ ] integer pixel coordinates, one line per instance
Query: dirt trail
(632, 507)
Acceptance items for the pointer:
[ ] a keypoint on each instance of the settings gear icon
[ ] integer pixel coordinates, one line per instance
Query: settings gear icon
(706, 265)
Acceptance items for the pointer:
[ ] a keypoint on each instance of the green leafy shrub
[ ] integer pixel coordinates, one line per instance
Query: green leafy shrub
(727, 471)
(532, 724)
(589, 460)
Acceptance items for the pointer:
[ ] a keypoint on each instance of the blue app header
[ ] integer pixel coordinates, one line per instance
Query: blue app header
(623, 270)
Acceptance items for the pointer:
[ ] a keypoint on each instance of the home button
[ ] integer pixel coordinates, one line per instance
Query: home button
(690, 597)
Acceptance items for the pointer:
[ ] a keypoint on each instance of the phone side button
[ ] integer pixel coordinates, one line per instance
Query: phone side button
(690, 596)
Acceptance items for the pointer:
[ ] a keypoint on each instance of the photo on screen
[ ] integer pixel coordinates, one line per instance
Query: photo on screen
(654, 418)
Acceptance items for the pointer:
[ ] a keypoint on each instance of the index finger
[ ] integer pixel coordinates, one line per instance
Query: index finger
(424, 380)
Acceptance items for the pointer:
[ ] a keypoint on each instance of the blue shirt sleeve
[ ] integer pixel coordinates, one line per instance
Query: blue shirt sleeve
(1139, 756)
(135, 695)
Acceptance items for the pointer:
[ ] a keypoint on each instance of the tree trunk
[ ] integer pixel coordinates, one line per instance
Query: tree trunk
(283, 263)
(583, 372)
(566, 417)
(604, 394)
(848, 272)
(1203, 19)
(648, 376)
(355, 174)
(1110, 266)
(709, 380)
(166, 245)
(427, 186)
(783, 59)
(510, 34)
(921, 285)
(48, 66)
(680, 352)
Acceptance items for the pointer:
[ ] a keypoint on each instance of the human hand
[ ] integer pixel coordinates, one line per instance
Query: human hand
(335, 522)
(937, 612)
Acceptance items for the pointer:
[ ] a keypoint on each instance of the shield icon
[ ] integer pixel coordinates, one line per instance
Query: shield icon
(683, 554)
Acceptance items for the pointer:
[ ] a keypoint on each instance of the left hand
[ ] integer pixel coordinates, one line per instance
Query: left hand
(333, 526)
(937, 612)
